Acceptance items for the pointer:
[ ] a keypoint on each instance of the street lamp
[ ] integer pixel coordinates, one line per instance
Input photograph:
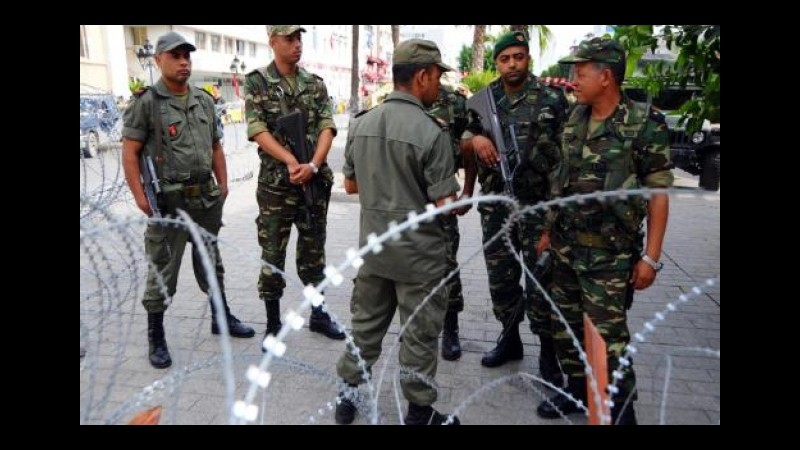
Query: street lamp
(235, 67)
(145, 55)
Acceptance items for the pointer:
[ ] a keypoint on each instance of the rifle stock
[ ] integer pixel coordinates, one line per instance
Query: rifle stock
(293, 128)
(482, 104)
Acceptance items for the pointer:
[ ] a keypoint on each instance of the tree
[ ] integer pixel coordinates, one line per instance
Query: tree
(697, 63)
(395, 35)
(478, 38)
(543, 33)
(354, 72)
(465, 59)
(557, 70)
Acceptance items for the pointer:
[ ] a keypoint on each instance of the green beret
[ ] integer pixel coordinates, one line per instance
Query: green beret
(509, 39)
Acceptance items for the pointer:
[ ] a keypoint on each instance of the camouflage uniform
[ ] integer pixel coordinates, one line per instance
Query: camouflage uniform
(450, 109)
(268, 96)
(594, 243)
(538, 114)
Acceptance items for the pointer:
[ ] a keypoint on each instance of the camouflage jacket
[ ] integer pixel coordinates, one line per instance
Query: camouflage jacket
(451, 110)
(628, 150)
(537, 113)
(268, 96)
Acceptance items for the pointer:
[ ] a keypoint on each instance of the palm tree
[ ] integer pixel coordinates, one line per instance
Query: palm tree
(542, 32)
(395, 35)
(354, 72)
(477, 48)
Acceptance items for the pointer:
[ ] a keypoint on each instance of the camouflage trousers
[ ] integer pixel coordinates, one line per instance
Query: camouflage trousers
(278, 210)
(505, 271)
(373, 305)
(165, 244)
(592, 281)
(455, 301)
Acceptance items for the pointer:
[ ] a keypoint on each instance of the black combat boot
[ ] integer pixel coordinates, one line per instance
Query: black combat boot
(273, 319)
(451, 347)
(509, 348)
(159, 354)
(321, 323)
(560, 404)
(426, 415)
(621, 416)
(235, 326)
(346, 406)
(548, 361)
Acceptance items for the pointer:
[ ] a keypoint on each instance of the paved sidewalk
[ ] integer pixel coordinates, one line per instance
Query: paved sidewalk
(303, 383)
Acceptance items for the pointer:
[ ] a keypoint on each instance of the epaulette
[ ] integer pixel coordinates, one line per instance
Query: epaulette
(141, 91)
(361, 113)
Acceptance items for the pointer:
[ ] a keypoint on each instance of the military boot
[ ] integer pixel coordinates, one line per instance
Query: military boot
(509, 348)
(560, 404)
(159, 354)
(426, 415)
(273, 319)
(451, 347)
(235, 326)
(621, 416)
(548, 361)
(321, 323)
(346, 406)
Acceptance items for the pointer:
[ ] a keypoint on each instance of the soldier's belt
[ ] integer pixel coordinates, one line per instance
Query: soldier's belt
(594, 240)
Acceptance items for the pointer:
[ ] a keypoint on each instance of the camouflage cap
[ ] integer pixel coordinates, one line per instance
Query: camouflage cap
(602, 50)
(284, 30)
(509, 39)
(419, 51)
(172, 40)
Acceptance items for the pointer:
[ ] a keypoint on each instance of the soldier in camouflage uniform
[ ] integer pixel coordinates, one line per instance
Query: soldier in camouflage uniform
(537, 112)
(610, 143)
(272, 92)
(450, 109)
(184, 160)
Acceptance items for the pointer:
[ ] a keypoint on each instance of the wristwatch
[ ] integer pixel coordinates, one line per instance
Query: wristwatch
(313, 167)
(652, 262)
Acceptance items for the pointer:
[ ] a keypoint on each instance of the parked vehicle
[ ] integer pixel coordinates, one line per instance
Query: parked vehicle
(100, 119)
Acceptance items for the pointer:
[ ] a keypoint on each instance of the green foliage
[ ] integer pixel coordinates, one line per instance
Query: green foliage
(135, 84)
(697, 63)
(557, 70)
(465, 59)
(477, 81)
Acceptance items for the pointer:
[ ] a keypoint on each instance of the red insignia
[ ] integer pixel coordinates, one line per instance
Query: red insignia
(173, 130)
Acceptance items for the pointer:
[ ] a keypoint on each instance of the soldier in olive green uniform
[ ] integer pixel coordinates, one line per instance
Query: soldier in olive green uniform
(271, 92)
(609, 143)
(450, 109)
(398, 158)
(188, 151)
(536, 111)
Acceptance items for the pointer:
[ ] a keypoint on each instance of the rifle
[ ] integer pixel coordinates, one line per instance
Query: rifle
(152, 190)
(482, 104)
(293, 128)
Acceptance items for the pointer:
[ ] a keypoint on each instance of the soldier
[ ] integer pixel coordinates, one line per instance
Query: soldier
(398, 158)
(609, 143)
(186, 154)
(450, 109)
(271, 92)
(536, 111)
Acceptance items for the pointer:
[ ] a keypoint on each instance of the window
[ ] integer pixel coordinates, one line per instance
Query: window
(240, 47)
(253, 49)
(200, 40)
(229, 45)
(139, 35)
(215, 42)
(84, 47)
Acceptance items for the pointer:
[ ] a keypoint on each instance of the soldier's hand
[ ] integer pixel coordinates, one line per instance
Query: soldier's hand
(485, 150)
(223, 190)
(463, 210)
(302, 175)
(144, 206)
(643, 276)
